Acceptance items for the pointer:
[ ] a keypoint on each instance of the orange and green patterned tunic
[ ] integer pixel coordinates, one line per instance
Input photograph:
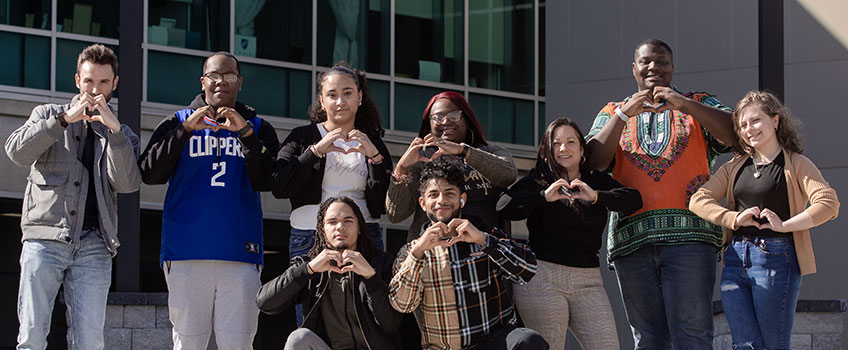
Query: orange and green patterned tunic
(666, 156)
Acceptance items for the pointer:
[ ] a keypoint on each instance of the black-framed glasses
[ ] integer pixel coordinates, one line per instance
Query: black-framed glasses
(453, 116)
(227, 77)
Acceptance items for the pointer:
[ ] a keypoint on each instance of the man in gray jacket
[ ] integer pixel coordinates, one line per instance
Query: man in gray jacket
(79, 157)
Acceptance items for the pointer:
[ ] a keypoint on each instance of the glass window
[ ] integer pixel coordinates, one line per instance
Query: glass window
(542, 122)
(67, 52)
(26, 60)
(380, 95)
(88, 17)
(410, 101)
(429, 40)
(356, 32)
(500, 45)
(191, 24)
(504, 119)
(278, 30)
(276, 91)
(25, 13)
(173, 78)
(542, 48)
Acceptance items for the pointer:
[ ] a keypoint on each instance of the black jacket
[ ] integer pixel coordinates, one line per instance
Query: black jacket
(298, 173)
(378, 320)
(160, 158)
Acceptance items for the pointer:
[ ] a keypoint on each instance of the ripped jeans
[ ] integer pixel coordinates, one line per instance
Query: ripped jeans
(760, 284)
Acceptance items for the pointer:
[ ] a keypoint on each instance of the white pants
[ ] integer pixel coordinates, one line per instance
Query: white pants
(212, 294)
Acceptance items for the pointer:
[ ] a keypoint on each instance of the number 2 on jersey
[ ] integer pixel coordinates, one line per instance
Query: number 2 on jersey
(222, 169)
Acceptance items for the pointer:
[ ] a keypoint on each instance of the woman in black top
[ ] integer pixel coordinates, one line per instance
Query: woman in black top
(566, 207)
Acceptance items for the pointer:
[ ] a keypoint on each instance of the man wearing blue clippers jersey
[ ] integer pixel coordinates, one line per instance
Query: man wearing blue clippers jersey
(216, 155)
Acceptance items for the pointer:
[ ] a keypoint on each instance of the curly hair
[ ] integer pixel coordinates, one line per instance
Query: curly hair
(363, 241)
(367, 117)
(788, 128)
(444, 167)
(474, 136)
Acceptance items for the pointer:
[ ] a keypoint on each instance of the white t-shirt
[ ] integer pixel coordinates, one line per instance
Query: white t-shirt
(344, 175)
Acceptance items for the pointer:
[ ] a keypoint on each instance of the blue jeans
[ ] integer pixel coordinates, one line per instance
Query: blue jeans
(85, 270)
(301, 241)
(667, 292)
(759, 289)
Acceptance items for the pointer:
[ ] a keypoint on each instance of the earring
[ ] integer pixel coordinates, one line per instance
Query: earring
(582, 159)
(360, 102)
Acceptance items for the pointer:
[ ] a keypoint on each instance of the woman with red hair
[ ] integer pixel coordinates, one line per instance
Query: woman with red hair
(450, 128)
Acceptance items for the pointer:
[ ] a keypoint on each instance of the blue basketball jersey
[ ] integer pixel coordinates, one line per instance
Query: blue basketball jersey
(211, 211)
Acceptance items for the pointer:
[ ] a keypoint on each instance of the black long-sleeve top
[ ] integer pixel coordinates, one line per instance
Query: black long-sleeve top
(159, 160)
(557, 233)
(298, 173)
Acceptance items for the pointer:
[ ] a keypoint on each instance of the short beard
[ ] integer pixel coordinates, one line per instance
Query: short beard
(456, 213)
(340, 246)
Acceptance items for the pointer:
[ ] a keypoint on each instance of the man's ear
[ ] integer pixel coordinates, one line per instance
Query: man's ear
(421, 203)
(115, 83)
(462, 198)
(76, 80)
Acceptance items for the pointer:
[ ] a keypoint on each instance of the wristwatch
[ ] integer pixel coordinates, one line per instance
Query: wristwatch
(245, 129)
(61, 119)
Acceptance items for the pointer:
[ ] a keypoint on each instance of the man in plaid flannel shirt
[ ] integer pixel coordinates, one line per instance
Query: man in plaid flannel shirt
(459, 275)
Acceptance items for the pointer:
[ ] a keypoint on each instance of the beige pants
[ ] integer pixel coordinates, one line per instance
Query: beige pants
(559, 298)
(212, 294)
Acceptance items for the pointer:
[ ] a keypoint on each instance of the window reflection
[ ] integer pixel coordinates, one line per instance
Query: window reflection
(26, 13)
(88, 17)
(191, 24)
(26, 60)
(276, 91)
(504, 119)
(355, 31)
(500, 45)
(410, 101)
(273, 29)
(429, 40)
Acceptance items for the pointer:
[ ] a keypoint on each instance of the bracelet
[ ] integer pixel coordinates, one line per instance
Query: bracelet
(245, 129)
(596, 198)
(309, 269)
(465, 149)
(315, 151)
(61, 119)
(621, 114)
(376, 159)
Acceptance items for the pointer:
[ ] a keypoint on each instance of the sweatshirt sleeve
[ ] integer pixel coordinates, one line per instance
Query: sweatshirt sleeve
(260, 150)
(160, 158)
(294, 165)
(515, 260)
(517, 202)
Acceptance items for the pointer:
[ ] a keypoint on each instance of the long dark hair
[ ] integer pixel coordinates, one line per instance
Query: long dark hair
(367, 117)
(474, 135)
(363, 241)
(547, 166)
(788, 135)
(546, 163)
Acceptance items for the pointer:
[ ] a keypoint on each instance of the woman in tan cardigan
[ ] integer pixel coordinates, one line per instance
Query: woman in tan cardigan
(766, 221)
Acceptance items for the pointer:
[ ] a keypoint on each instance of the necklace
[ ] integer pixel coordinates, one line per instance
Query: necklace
(757, 173)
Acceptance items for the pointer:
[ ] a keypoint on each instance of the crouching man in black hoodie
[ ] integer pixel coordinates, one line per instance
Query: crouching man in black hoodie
(341, 283)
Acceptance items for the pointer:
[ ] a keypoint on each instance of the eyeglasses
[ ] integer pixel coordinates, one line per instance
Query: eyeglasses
(227, 77)
(453, 116)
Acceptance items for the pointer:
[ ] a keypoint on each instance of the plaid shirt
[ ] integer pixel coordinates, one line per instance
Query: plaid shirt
(462, 289)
